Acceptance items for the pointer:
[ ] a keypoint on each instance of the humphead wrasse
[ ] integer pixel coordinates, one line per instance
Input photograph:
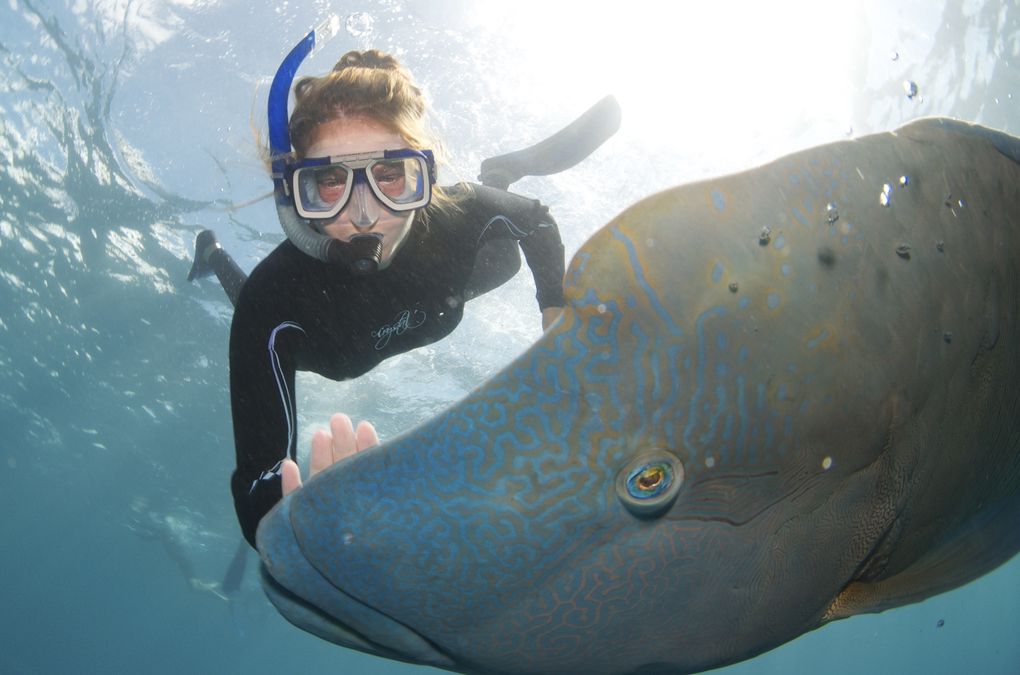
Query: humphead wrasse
(775, 399)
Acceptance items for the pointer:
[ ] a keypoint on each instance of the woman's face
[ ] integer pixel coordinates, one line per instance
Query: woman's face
(346, 137)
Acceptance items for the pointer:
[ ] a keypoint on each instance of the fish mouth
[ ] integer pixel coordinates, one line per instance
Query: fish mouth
(337, 616)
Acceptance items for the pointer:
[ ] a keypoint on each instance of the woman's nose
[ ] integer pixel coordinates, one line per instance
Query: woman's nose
(365, 208)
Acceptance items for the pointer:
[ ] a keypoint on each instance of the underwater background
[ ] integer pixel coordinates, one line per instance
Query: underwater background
(127, 126)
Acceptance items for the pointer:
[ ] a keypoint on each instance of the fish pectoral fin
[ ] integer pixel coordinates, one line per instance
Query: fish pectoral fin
(914, 584)
(980, 545)
(858, 598)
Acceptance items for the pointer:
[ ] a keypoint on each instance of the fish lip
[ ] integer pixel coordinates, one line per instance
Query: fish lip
(335, 629)
(336, 615)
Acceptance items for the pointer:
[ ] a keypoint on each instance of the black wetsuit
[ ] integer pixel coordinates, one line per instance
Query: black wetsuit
(297, 313)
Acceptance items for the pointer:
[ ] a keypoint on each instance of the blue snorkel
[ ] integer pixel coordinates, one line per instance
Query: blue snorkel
(279, 96)
(363, 252)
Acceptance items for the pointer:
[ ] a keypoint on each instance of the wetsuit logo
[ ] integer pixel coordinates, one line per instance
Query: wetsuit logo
(406, 321)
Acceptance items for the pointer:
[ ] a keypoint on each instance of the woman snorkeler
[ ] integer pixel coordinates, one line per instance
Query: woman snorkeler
(379, 260)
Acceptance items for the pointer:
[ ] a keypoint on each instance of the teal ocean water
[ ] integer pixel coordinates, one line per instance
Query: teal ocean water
(126, 127)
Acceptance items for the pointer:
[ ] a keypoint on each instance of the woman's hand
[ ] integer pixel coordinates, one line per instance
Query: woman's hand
(328, 447)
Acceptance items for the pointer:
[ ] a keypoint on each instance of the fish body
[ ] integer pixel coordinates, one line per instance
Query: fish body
(775, 399)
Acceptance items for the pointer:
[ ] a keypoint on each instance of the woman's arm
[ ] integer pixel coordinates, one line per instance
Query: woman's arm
(498, 214)
(263, 405)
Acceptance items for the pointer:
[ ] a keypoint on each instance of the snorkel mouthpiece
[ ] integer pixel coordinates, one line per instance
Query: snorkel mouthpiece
(363, 253)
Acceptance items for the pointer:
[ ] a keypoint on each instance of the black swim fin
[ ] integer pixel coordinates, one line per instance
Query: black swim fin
(559, 152)
(235, 573)
(205, 242)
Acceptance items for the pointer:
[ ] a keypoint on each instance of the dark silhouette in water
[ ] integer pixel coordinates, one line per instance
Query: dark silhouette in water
(153, 525)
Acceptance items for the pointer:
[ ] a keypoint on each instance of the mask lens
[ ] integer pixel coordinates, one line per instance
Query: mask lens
(322, 189)
(399, 181)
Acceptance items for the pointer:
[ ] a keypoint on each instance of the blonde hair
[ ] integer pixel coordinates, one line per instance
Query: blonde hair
(369, 85)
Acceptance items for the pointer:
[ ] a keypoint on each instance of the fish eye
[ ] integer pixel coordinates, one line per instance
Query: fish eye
(649, 483)
(651, 478)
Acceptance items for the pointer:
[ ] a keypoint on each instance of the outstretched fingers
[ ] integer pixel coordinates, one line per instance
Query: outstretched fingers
(345, 442)
(290, 476)
(329, 447)
(322, 451)
(340, 442)
(366, 436)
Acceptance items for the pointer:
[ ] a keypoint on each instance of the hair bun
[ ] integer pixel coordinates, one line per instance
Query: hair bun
(371, 58)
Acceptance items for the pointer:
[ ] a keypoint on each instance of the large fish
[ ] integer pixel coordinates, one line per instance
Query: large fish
(775, 399)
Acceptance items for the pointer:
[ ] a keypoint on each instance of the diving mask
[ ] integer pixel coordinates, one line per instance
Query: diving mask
(400, 179)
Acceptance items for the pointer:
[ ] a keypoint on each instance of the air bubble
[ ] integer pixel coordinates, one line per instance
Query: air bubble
(910, 88)
(601, 308)
(827, 463)
(886, 197)
(360, 24)
(904, 181)
(831, 213)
